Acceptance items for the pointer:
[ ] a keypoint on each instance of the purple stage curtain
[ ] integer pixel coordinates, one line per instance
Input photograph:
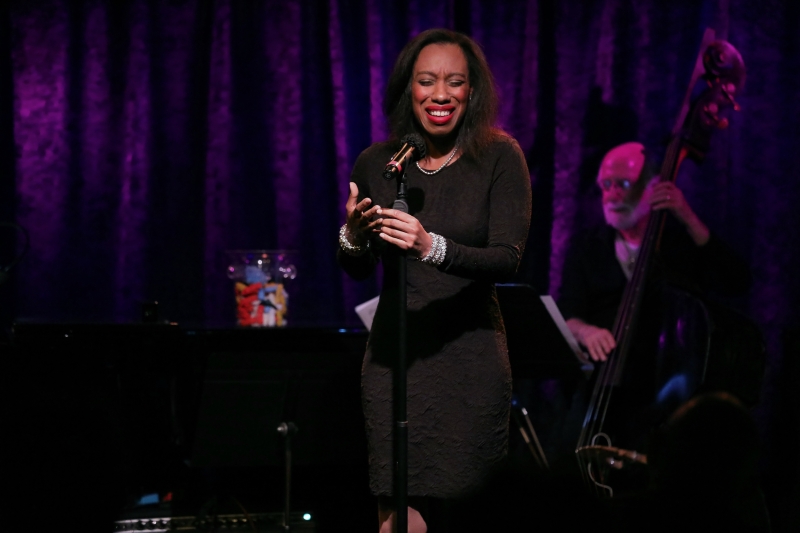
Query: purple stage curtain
(140, 139)
(151, 136)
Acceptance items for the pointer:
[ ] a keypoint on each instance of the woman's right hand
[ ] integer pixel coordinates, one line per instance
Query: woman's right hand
(359, 217)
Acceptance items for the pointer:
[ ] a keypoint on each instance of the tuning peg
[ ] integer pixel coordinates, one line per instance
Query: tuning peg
(711, 111)
(729, 89)
(713, 120)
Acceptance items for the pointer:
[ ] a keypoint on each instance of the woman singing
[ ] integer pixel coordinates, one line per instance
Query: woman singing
(469, 211)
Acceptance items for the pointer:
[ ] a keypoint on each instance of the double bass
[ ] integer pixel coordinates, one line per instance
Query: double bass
(657, 375)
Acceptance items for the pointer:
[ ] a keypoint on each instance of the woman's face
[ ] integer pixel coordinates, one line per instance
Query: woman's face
(440, 88)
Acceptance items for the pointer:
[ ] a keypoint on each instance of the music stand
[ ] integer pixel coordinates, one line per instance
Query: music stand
(536, 346)
(539, 347)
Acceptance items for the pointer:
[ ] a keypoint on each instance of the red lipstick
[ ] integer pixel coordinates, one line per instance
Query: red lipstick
(445, 113)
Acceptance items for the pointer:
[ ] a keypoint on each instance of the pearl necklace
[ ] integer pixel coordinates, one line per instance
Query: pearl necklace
(432, 172)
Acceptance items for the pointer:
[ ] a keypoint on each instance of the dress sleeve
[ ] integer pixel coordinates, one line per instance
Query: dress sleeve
(509, 221)
(362, 266)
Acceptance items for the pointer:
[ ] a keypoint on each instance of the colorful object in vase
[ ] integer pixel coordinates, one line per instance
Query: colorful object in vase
(260, 276)
(261, 304)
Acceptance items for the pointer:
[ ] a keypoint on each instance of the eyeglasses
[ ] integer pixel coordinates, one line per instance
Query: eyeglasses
(607, 183)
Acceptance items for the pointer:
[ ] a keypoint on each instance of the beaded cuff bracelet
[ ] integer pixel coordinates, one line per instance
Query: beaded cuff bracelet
(348, 247)
(437, 252)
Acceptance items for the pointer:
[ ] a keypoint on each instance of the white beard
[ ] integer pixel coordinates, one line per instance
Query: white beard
(628, 216)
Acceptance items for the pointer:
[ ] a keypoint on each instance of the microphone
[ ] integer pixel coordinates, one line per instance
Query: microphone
(413, 149)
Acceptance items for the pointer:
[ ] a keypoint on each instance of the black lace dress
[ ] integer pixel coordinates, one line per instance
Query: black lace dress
(459, 380)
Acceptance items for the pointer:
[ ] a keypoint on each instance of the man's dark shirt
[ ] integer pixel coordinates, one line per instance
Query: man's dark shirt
(593, 284)
(593, 281)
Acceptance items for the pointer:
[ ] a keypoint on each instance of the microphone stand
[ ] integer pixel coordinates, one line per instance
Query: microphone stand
(413, 149)
(399, 385)
(286, 430)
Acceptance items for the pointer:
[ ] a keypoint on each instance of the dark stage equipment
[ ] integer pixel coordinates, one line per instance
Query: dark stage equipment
(183, 418)
(261, 522)
(152, 422)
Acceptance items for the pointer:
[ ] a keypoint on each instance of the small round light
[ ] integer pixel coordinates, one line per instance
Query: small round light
(307, 516)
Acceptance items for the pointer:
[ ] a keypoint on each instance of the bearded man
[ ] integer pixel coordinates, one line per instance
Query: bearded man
(600, 261)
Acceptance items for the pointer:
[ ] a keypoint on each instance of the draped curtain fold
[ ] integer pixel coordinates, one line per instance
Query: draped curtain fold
(151, 136)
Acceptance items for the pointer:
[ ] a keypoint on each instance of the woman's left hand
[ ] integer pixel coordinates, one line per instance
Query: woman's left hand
(404, 231)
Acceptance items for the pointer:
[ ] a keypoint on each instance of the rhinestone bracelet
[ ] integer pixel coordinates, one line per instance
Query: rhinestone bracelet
(437, 252)
(348, 247)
